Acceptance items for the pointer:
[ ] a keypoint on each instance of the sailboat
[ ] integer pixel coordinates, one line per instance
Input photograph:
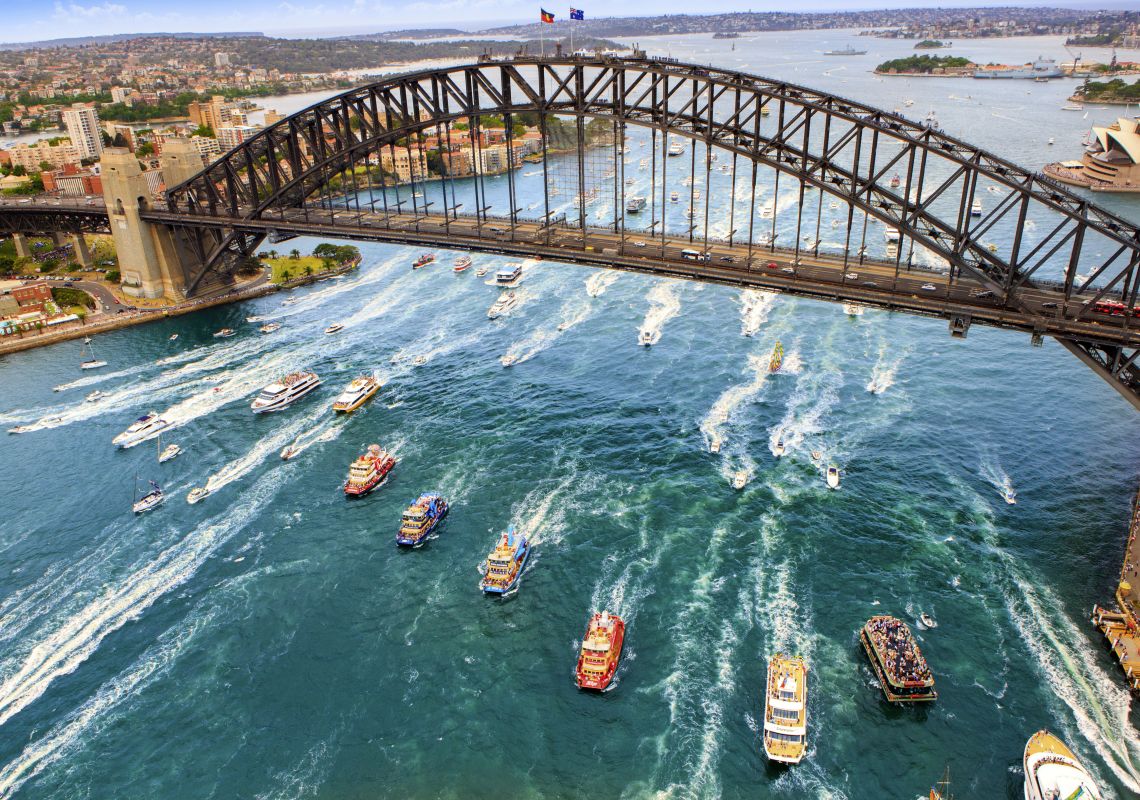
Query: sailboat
(777, 358)
(151, 499)
(171, 451)
(93, 362)
(941, 790)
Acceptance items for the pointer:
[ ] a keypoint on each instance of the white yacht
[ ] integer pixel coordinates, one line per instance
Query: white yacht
(284, 392)
(503, 305)
(739, 479)
(1052, 772)
(270, 327)
(171, 451)
(779, 449)
(833, 477)
(509, 275)
(152, 499)
(145, 427)
(196, 494)
(976, 208)
(647, 337)
(785, 709)
(336, 327)
(93, 362)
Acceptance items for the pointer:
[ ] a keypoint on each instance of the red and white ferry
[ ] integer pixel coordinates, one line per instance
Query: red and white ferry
(601, 651)
(368, 471)
(462, 264)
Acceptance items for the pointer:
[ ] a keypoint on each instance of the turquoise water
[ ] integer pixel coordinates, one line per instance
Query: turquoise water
(271, 641)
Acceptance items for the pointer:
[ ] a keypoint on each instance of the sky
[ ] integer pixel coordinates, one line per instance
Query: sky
(34, 20)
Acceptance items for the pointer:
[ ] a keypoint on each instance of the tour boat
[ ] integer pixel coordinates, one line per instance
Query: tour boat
(676, 149)
(892, 235)
(501, 306)
(976, 208)
(833, 477)
(270, 327)
(852, 310)
(634, 205)
(785, 709)
(423, 260)
(196, 494)
(420, 519)
(462, 263)
(601, 651)
(282, 393)
(779, 450)
(356, 394)
(508, 275)
(224, 333)
(899, 664)
(777, 358)
(739, 479)
(95, 395)
(336, 327)
(647, 337)
(93, 362)
(151, 499)
(504, 565)
(145, 427)
(1052, 772)
(368, 470)
(895, 181)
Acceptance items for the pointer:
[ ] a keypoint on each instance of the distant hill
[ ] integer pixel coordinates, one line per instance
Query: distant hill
(80, 41)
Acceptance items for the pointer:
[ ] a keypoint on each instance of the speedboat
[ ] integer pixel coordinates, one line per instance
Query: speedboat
(785, 709)
(674, 197)
(779, 449)
(927, 621)
(368, 470)
(508, 360)
(63, 387)
(647, 337)
(462, 263)
(152, 499)
(196, 494)
(1009, 495)
(423, 260)
(504, 565)
(601, 651)
(816, 455)
(270, 327)
(1052, 772)
(503, 305)
(290, 301)
(282, 393)
(419, 360)
(356, 393)
(173, 337)
(250, 319)
(739, 479)
(479, 273)
(21, 429)
(897, 660)
(289, 451)
(334, 328)
(225, 333)
(95, 395)
(833, 477)
(714, 445)
(420, 519)
(145, 427)
(171, 451)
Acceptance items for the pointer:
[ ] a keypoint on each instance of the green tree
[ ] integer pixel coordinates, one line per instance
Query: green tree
(19, 170)
(295, 254)
(308, 270)
(286, 275)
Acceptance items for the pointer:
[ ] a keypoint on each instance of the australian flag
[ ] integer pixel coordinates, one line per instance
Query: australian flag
(577, 13)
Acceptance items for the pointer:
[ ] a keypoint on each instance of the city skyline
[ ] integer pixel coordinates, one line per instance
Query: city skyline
(42, 21)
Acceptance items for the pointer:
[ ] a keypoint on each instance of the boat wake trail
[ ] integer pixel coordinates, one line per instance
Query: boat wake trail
(601, 280)
(755, 305)
(884, 372)
(664, 305)
(992, 471)
(267, 446)
(714, 424)
(573, 312)
(814, 395)
(325, 431)
(540, 515)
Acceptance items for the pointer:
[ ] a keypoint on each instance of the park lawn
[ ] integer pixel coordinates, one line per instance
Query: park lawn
(294, 266)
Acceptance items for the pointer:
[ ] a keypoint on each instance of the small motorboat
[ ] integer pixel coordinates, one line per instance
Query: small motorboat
(173, 337)
(508, 360)
(270, 327)
(152, 499)
(420, 360)
(481, 272)
(714, 446)
(288, 452)
(423, 260)
(290, 301)
(816, 455)
(927, 621)
(20, 429)
(739, 479)
(196, 494)
(171, 451)
(225, 333)
(334, 328)
(833, 477)
(779, 449)
(253, 319)
(648, 337)
(63, 387)
(95, 395)
(1009, 496)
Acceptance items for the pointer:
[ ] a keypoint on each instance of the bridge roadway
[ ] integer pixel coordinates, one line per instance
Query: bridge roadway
(871, 282)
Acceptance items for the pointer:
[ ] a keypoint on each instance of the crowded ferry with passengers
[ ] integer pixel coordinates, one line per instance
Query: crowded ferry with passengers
(356, 394)
(420, 519)
(504, 565)
(1052, 772)
(601, 651)
(897, 660)
(368, 470)
(283, 393)
(785, 709)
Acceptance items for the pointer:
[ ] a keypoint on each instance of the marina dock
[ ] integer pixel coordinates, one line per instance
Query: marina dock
(1122, 627)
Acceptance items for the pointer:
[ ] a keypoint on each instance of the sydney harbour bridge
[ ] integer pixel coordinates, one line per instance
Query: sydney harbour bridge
(815, 195)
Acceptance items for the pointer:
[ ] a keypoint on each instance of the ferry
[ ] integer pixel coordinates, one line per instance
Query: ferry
(420, 519)
(601, 651)
(897, 661)
(785, 710)
(462, 263)
(503, 305)
(1052, 772)
(976, 208)
(145, 427)
(336, 327)
(225, 333)
(270, 327)
(282, 393)
(676, 149)
(648, 337)
(152, 499)
(777, 358)
(895, 181)
(833, 477)
(504, 565)
(368, 470)
(93, 362)
(423, 260)
(356, 394)
(508, 275)
(196, 494)
(892, 235)
(634, 205)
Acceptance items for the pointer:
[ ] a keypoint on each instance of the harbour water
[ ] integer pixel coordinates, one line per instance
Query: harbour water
(271, 641)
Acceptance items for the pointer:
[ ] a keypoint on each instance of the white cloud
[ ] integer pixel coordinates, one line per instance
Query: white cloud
(73, 10)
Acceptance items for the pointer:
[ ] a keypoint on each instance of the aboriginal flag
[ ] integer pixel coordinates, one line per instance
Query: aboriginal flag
(546, 15)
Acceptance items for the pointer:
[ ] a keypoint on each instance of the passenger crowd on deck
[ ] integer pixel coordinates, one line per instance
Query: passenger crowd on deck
(900, 654)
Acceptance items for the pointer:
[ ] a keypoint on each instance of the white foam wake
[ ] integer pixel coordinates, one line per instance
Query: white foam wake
(601, 280)
(664, 305)
(884, 372)
(716, 420)
(573, 312)
(755, 305)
